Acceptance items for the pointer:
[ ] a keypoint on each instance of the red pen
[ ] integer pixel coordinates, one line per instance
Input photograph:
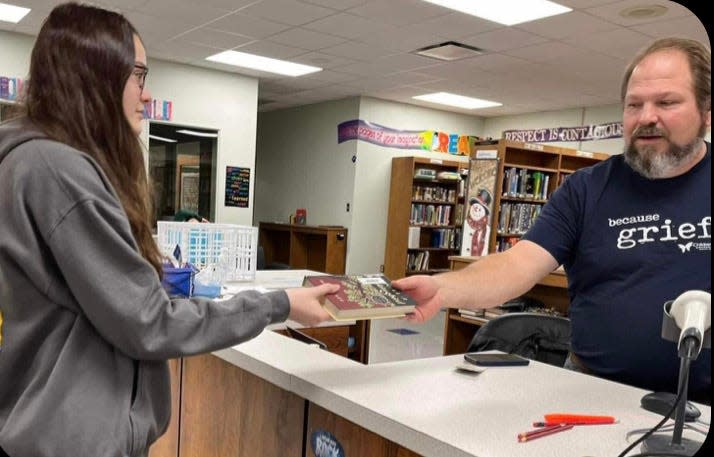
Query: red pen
(575, 419)
(541, 432)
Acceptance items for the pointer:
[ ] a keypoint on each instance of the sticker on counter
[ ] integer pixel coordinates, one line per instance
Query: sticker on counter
(324, 444)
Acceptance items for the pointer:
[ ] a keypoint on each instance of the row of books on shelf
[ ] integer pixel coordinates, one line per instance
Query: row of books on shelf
(10, 88)
(418, 261)
(439, 238)
(428, 214)
(517, 217)
(439, 194)
(525, 183)
(506, 242)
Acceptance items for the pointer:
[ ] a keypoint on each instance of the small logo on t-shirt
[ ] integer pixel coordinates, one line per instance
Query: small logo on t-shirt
(685, 247)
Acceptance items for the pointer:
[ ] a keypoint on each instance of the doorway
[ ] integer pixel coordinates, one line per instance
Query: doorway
(182, 170)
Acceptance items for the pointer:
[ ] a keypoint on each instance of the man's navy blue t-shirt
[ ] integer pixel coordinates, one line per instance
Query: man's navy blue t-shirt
(628, 245)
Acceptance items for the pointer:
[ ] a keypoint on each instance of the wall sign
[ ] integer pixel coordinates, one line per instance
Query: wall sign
(555, 134)
(425, 140)
(237, 187)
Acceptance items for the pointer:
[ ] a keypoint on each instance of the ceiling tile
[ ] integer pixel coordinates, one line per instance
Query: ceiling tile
(688, 27)
(322, 60)
(357, 50)
(503, 39)
(182, 10)
(622, 43)
(287, 11)
(546, 52)
(611, 12)
(338, 4)
(399, 12)
(404, 39)
(306, 39)
(568, 24)
(272, 50)
(457, 25)
(248, 25)
(347, 26)
(213, 38)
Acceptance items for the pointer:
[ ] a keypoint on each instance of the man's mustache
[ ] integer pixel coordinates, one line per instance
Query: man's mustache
(648, 130)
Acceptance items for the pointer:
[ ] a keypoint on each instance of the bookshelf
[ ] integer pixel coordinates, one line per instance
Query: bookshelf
(426, 207)
(528, 174)
(312, 247)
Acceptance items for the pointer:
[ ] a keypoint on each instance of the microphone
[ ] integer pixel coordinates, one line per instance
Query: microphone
(686, 321)
(691, 312)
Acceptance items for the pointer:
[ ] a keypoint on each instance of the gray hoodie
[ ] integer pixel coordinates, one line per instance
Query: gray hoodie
(87, 327)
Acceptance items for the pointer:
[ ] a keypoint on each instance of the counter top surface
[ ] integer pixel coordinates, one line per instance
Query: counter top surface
(426, 405)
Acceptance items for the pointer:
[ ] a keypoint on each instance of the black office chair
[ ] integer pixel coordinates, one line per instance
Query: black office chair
(536, 336)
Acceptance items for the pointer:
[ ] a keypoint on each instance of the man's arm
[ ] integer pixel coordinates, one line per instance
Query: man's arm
(486, 283)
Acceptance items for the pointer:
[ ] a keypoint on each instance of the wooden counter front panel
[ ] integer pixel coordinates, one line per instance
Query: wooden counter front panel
(229, 412)
(355, 440)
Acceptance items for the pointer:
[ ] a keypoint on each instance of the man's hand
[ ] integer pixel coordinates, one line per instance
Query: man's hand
(424, 290)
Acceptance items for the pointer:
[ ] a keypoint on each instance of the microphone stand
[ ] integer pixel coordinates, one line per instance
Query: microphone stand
(678, 445)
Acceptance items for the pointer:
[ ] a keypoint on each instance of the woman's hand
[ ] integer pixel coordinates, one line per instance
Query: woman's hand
(306, 303)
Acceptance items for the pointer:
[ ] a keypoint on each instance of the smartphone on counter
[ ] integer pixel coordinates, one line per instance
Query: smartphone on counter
(495, 360)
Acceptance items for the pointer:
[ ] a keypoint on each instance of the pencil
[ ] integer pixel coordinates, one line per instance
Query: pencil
(545, 431)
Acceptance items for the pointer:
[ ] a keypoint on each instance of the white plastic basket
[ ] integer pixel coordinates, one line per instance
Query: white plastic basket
(231, 247)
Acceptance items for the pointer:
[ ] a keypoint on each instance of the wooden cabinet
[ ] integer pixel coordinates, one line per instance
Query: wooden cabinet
(308, 247)
(425, 215)
(527, 176)
(459, 330)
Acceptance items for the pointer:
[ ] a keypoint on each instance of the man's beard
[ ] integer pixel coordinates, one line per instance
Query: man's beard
(656, 165)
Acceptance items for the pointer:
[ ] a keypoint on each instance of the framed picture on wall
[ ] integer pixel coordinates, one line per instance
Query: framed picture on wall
(188, 191)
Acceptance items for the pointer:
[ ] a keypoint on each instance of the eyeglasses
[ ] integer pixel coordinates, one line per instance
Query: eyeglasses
(140, 72)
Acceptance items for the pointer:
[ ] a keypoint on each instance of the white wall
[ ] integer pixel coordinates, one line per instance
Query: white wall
(212, 99)
(15, 50)
(374, 164)
(300, 165)
(223, 101)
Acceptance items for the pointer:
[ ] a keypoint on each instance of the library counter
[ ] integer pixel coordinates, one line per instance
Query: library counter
(426, 407)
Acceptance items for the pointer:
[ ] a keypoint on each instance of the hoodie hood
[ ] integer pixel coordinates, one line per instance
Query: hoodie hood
(14, 133)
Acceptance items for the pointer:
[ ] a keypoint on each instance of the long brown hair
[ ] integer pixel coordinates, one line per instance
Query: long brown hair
(80, 64)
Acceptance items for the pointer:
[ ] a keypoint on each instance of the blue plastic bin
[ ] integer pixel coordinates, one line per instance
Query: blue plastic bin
(178, 281)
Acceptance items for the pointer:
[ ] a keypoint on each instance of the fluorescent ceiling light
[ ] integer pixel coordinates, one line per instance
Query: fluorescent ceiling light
(445, 98)
(160, 138)
(195, 133)
(245, 60)
(12, 13)
(506, 12)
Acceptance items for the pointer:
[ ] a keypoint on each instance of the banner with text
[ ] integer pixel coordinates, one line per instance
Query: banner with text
(426, 140)
(553, 134)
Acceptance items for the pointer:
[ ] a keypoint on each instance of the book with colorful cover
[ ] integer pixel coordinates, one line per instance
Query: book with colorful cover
(366, 296)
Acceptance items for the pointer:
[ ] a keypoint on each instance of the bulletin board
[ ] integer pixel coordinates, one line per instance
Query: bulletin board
(237, 187)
